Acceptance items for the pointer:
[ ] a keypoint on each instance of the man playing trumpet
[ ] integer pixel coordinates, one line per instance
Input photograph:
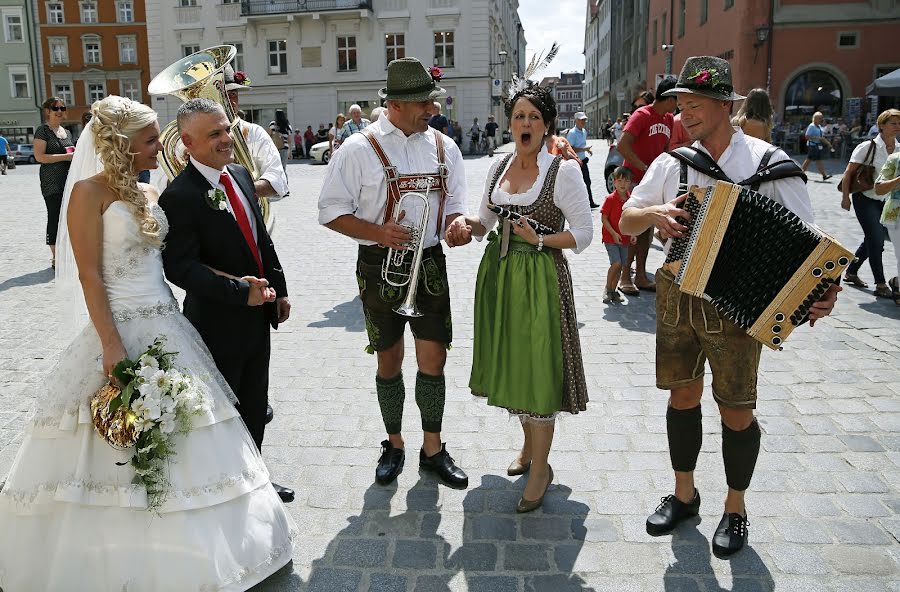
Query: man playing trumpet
(396, 155)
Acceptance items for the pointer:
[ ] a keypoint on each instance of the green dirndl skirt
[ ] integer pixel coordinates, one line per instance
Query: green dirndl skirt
(518, 355)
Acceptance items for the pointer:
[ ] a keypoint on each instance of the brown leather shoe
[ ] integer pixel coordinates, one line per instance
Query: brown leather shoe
(530, 505)
(516, 468)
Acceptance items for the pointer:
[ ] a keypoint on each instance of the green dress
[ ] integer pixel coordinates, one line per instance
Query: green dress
(527, 353)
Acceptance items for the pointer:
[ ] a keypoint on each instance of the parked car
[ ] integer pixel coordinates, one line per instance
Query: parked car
(320, 152)
(22, 153)
(613, 161)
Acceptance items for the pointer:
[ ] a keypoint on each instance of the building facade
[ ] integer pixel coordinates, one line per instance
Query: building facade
(315, 59)
(597, 38)
(628, 53)
(568, 93)
(20, 84)
(91, 49)
(811, 55)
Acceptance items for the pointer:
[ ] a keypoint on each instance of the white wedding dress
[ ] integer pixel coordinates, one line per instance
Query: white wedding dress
(71, 519)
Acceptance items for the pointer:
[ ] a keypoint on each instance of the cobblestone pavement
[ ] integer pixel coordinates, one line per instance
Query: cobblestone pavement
(824, 505)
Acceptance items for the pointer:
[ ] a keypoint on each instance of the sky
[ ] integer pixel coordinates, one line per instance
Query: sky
(546, 21)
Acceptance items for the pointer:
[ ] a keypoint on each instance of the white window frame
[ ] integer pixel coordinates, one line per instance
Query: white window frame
(9, 13)
(87, 90)
(59, 42)
(441, 60)
(19, 70)
(51, 13)
(347, 49)
(67, 96)
(188, 49)
(280, 53)
(84, 8)
(135, 96)
(238, 63)
(187, 3)
(125, 8)
(91, 40)
(391, 44)
(132, 41)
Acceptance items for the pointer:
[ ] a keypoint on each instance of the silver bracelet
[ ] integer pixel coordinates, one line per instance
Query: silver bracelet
(540, 244)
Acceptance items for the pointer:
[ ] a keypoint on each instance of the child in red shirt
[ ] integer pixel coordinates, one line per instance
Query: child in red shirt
(615, 242)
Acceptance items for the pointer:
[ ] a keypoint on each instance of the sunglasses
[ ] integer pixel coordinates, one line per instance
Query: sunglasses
(57, 108)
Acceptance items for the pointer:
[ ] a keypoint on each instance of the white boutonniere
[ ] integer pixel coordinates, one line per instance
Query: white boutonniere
(216, 198)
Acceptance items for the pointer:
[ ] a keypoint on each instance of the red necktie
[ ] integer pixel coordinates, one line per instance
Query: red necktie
(241, 216)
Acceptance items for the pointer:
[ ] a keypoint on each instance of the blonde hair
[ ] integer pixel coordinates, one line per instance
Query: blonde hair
(817, 114)
(885, 115)
(116, 120)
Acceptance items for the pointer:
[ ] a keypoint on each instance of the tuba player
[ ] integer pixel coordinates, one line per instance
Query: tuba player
(366, 178)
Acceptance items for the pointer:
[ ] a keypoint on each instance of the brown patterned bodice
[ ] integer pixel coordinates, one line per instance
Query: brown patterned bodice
(543, 209)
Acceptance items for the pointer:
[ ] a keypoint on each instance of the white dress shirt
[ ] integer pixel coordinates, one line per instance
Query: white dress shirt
(569, 195)
(739, 161)
(212, 175)
(355, 182)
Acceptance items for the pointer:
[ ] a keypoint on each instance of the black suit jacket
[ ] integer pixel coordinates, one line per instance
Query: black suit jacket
(200, 236)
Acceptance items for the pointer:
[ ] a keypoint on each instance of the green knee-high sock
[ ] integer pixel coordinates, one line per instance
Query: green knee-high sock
(431, 392)
(391, 394)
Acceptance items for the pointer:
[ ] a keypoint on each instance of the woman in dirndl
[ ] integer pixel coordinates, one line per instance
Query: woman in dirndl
(527, 353)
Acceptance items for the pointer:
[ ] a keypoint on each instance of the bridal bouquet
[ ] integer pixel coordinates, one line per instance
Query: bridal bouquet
(152, 402)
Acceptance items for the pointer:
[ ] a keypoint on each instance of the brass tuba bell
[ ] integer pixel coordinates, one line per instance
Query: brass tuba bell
(201, 75)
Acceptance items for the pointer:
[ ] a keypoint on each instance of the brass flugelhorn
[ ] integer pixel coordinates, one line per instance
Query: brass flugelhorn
(199, 75)
(397, 270)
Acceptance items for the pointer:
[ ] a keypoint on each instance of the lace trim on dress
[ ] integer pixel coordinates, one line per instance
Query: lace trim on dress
(245, 573)
(125, 264)
(161, 309)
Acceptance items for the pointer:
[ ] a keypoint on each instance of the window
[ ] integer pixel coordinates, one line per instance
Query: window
(278, 57)
(187, 50)
(849, 40)
(443, 48)
(92, 54)
(239, 56)
(18, 82)
(682, 13)
(664, 32)
(729, 4)
(96, 92)
(346, 48)
(88, 12)
(55, 13)
(59, 50)
(63, 90)
(231, 2)
(131, 89)
(187, 2)
(125, 12)
(655, 35)
(12, 25)
(704, 11)
(127, 50)
(394, 47)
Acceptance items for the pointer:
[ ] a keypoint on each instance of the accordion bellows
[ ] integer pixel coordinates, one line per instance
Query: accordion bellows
(757, 262)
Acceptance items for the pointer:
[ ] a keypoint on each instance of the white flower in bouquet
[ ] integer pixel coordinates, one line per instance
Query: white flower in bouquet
(167, 423)
(148, 361)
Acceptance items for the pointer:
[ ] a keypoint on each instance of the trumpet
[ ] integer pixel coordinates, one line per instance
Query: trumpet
(397, 270)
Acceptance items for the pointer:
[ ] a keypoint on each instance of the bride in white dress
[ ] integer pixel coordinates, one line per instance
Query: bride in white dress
(70, 518)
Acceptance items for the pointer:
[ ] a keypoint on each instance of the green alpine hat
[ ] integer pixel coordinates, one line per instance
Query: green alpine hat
(708, 76)
(408, 80)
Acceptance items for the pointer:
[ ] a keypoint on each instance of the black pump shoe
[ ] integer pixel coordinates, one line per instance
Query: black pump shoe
(270, 414)
(285, 493)
(670, 512)
(442, 464)
(390, 464)
(730, 536)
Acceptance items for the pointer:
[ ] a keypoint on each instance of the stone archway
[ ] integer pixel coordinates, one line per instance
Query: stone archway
(813, 88)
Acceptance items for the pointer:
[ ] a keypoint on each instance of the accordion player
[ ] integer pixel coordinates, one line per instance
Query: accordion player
(757, 262)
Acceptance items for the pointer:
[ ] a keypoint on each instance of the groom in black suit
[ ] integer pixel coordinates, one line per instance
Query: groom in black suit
(219, 252)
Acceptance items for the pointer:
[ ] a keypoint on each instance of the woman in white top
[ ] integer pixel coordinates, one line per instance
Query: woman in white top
(867, 205)
(334, 134)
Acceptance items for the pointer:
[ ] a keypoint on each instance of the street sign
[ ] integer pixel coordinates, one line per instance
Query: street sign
(496, 87)
(620, 95)
(449, 100)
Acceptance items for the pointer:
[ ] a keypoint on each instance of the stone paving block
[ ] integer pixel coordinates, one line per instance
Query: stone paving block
(595, 530)
(799, 559)
(526, 557)
(361, 553)
(859, 482)
(381, 582)
(491, 527)
(858, 532)
(864, 561)
(546, 528)
(414, 554)
(860, 443)
(802, 530)
(334, 580)
(815, 506)
(475, 557)
(492, 584)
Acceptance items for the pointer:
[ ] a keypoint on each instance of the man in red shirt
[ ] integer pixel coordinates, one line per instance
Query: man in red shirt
(646, 136)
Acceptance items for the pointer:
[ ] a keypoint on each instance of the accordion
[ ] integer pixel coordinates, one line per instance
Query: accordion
(757, 262)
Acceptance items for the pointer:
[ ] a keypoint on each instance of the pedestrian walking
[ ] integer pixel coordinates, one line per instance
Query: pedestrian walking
(475, 135)
(577, 138)
(490, 134)
(280, 131)
(815, 144)
(4, 153)
(53, 148)
(888, 185)
(309, 138)
(355, 124)
(438, 121)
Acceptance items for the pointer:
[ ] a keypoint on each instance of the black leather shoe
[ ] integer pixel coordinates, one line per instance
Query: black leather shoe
(670, 512)
(442, 464)
(731, 535)
(270, 414)
(285, 493)
(390, 464)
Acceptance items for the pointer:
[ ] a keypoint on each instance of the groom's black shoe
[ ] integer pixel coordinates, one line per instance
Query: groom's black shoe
(286, 494)
(390, 464)
(670, 512)
(270, 414)
(442, 464)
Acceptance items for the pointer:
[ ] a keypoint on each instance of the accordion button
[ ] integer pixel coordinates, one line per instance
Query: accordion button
(817, 272)
(776, 341)
(776, 329)
(829, 265)
(779, 317)
(843, 261)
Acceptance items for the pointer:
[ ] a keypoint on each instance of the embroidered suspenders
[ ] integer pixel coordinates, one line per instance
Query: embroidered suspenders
(398, 184)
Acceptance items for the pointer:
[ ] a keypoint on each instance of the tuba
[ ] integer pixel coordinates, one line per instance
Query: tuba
(397, 269)
(201, 75)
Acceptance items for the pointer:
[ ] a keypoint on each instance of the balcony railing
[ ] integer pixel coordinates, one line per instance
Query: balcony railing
(259, 7)
(229, 12)
(185, 15)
